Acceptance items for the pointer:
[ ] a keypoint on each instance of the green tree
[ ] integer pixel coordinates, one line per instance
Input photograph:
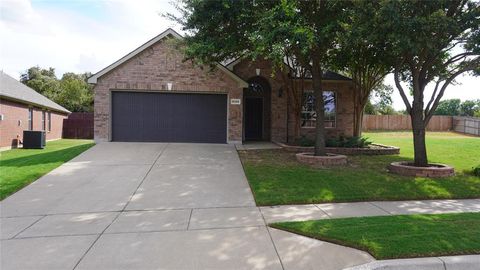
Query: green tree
(434, 42)
(44, 81)
(76, 94)
(363, 54)
(469, 107)
(448, 107)
(370, 108)
(275, 30)
(72, 91)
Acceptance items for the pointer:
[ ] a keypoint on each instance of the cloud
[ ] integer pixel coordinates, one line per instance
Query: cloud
(75, 36)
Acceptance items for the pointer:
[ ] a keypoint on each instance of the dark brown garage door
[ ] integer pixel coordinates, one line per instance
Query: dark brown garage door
(166, 117)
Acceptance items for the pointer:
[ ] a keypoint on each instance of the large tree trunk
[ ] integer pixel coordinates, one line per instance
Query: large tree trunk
(358, 120)
(418, 127)
(319, 108)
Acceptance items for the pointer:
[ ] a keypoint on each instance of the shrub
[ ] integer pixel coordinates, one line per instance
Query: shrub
(476, 170)
(341, 141)
(305, 142)
(349, 142)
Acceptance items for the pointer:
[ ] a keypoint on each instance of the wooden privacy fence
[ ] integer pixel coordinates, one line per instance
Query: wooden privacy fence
(402, 122)
(467, 125)
(78, 126)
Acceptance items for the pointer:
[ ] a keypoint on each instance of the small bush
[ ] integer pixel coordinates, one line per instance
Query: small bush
(342, 141)
(305, 142)
(476, 170)
(349, 142)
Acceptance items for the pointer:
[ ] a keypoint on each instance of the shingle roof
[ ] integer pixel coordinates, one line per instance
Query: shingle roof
(13, 89)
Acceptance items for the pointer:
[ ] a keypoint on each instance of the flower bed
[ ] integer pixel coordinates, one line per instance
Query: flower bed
(321, 161)
(373, 149)
(433, 170)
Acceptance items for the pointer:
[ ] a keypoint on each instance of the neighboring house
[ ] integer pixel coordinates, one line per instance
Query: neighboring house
(152, 94)
(22, 108)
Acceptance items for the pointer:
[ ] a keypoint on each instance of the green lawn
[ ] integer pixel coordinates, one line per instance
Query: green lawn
(20, 167)
(277, 178)
(389, 237)
(459, 151)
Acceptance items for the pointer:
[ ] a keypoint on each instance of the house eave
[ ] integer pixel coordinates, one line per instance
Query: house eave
(25, 102)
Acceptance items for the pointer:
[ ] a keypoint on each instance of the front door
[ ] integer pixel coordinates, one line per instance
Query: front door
(253, 118)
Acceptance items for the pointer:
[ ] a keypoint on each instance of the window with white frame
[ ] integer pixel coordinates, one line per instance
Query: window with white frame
(309, 115)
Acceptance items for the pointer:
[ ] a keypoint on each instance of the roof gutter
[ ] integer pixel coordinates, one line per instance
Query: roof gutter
(33, 104)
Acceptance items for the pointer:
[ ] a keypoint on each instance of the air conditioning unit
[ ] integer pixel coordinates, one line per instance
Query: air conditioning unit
(34, 139)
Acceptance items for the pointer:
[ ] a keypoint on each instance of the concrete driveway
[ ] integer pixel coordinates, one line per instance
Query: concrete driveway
(152, 206)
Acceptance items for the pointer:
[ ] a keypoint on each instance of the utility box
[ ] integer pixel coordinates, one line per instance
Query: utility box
(33, 139)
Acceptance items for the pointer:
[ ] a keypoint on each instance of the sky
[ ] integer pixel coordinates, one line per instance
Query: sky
(88, 35)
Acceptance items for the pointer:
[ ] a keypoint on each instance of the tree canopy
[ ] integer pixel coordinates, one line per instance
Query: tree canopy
(71, 91)
(305, 31)
(433, 42)
(455, 107)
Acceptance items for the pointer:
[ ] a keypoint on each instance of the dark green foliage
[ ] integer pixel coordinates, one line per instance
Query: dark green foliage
(389, 237)
(305, 142)
(349, 142)
(455, 107)
(448, 107)
(470, 107)
(476, 171)
(72, 91)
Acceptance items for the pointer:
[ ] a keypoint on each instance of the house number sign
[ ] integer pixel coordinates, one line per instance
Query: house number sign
(235, 101)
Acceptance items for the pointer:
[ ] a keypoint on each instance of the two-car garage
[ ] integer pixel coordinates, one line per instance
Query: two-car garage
(154, 94)
(169, 117)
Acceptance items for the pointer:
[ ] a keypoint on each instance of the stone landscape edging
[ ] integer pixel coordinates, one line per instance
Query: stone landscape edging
(436, 170)
(381, 150)
(328, 160)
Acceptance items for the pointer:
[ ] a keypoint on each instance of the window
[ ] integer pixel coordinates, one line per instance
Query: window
(44, 122)
(308, 109)
(30, 118)
(49, 121)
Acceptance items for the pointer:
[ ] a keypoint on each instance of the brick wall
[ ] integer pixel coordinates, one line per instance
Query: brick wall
(344, 111)
(151, 70)
(16, 121)
(278, 116)
(343, 89)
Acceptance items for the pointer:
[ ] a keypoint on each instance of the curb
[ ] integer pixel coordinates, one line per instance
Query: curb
(464, 262)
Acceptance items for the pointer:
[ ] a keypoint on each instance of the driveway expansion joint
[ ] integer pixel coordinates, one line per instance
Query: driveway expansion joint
(14, 237)
(323, 211)
(443, 263)
(271, 239)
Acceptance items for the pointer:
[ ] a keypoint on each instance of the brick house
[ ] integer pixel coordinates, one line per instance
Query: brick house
(152, 94)
(22, 108)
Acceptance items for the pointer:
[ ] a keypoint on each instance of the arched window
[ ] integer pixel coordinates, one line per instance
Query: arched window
(256, 87)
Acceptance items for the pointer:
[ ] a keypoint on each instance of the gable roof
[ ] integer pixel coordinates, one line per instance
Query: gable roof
(17, 91)
(169, 32)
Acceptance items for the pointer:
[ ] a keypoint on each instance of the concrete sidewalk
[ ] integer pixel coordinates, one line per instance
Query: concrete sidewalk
(363, 209)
